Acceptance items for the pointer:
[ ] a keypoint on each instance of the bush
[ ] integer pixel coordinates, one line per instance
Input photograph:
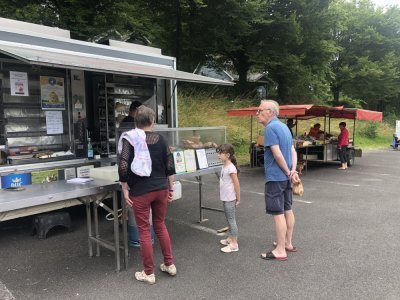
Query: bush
(370, 130)
(390, 118)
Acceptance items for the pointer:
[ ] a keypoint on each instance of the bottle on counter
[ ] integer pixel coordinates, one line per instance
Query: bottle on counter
(90, 154)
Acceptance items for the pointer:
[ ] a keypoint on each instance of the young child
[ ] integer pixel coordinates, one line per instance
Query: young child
(229, 194)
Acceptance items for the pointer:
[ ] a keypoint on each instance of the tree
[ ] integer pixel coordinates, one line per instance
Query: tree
(366, 65)
(85, 19)
(297, 53)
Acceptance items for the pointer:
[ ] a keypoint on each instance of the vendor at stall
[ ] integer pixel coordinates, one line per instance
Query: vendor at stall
(343, 143)
(129, 121)
(290, 124)
(316, 131)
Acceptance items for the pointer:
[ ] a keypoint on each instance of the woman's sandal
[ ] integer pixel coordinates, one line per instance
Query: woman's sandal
(270, 256)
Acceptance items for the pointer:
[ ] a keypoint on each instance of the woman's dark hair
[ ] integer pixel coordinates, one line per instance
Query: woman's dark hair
(342, 124)
(145, 116)
(228, 149)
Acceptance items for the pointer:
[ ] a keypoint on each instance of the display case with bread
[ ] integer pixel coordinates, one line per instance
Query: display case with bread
(194, 137)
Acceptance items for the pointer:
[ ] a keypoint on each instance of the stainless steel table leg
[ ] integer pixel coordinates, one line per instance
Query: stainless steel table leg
(125, 231)
(96, 225)
(116, 230)
(89, 225)
(200, 181)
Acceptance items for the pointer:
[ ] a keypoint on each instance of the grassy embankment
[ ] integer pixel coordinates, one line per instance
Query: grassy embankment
(203, 110)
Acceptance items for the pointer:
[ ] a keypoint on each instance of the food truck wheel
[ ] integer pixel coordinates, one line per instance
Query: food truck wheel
(351, 157)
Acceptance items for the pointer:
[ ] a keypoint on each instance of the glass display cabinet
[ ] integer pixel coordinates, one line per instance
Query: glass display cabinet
(193, 137)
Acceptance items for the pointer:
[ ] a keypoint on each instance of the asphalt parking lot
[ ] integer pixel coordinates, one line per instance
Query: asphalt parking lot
(346, 231)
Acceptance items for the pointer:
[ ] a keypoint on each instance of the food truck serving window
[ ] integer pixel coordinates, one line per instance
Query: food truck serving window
(34, 116)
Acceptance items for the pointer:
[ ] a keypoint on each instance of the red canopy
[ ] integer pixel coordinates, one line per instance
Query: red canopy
(306, 111)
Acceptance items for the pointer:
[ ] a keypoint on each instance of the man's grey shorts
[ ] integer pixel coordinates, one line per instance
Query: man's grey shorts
(278, 197)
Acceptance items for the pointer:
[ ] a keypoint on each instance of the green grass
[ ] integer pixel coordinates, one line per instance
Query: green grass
(202, 109)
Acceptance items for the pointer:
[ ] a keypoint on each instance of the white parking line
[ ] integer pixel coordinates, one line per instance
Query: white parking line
(257, 193)
(338, 183)
(194, 226)
(185, 180)
(5, 293)
(297, 200)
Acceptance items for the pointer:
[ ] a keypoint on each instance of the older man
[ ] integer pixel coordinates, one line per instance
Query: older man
(280, 161)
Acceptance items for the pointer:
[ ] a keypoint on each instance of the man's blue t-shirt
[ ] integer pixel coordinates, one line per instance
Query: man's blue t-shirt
(276, 133)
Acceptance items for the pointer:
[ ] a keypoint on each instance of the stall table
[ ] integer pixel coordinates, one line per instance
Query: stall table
(111, 173)
(198, 176)
(11, 202)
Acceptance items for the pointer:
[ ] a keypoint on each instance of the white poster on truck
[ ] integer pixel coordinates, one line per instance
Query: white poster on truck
(54, 122)
(19, 83)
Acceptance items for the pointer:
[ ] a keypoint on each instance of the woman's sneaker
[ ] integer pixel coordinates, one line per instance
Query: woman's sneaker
(224, 242)
(171, 270)
(142, 276)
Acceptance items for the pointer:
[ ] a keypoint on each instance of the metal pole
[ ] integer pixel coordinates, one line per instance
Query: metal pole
(89, 226)
(116, 230)
(96, 224)
(200, 198)
(125, 231)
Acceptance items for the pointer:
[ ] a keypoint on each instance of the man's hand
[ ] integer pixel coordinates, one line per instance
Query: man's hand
(295, 178)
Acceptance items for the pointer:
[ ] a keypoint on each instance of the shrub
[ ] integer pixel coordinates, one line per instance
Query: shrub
(370, 130)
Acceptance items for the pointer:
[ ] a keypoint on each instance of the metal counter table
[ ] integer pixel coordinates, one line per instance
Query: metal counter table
(87, 193)
(198, 176)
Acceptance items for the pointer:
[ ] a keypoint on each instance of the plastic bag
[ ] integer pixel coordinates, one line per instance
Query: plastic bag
(298, 189)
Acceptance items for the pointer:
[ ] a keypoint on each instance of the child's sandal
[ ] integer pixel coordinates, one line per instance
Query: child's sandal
(224, 242)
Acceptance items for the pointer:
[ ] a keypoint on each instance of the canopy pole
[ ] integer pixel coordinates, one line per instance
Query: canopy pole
(251, 130)
(354, 131)
(329, 125)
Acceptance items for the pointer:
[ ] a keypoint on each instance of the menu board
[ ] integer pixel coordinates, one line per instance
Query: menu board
(179, 162)
(84, 171)
(52, 92)
(201, 158)
(19, 83)
(190, 160)
(54, 122)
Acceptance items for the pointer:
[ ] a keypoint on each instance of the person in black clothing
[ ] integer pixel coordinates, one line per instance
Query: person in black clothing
(126, 124)
(290, 124)
(129, 120)
(148, 192)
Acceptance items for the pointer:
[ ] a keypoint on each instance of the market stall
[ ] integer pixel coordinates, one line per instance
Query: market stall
(61, 99)
(321, 148)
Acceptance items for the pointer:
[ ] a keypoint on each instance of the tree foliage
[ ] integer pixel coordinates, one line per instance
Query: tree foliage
(311, 50)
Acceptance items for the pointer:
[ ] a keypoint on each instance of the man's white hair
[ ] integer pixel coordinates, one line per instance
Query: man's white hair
(272, 105)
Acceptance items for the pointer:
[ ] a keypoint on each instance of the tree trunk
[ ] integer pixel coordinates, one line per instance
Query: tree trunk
(241, 64)
(282, 90)
(178, 31)
(336, 94)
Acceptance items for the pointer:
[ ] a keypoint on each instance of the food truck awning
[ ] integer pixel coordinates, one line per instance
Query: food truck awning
(307, 111)
(54, 57)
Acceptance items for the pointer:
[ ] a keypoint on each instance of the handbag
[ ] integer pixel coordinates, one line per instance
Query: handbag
(298, 189)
